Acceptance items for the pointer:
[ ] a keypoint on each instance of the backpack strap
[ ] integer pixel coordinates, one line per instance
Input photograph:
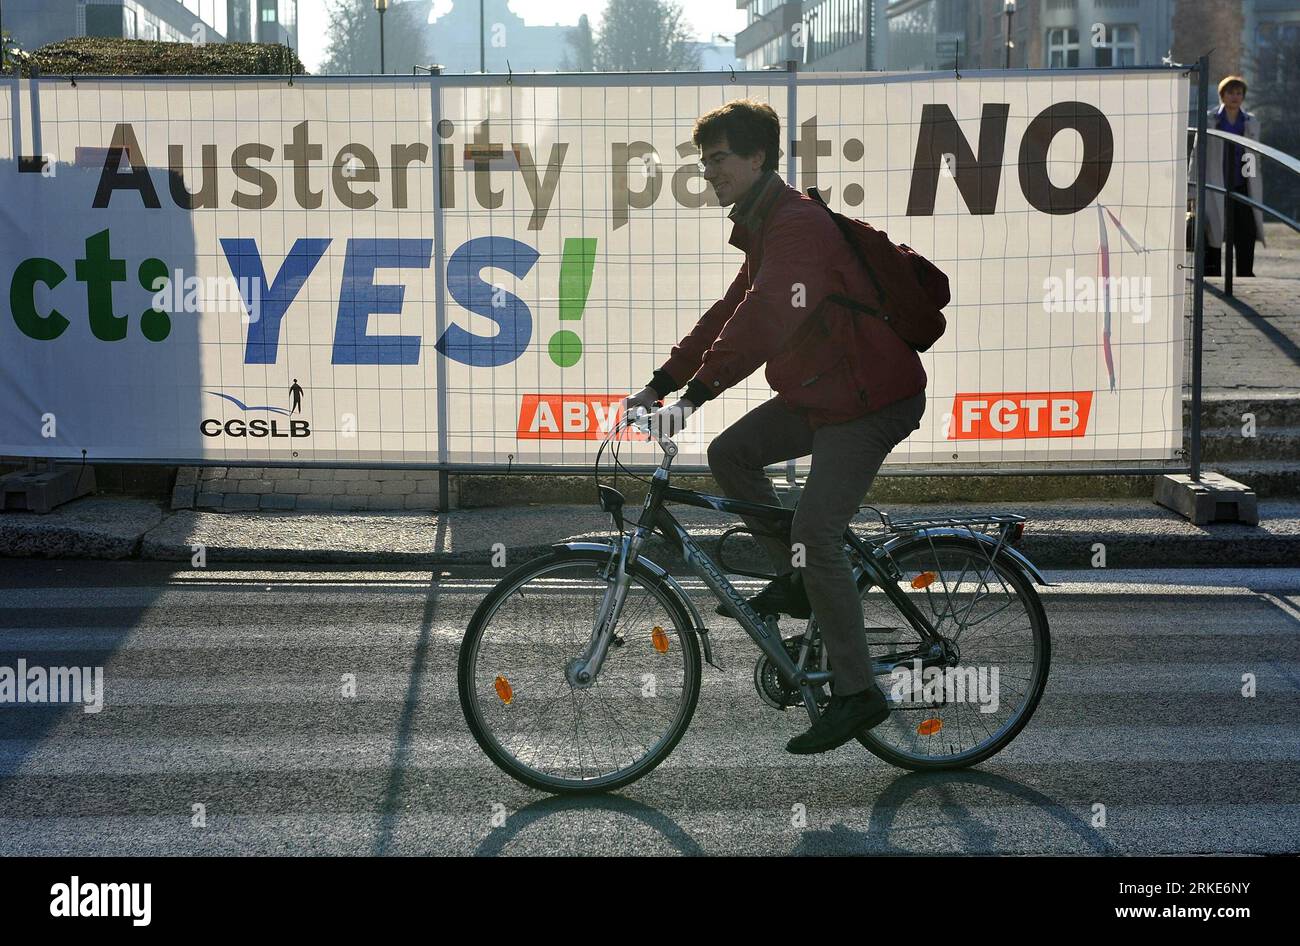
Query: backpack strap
(844, 228)
(761, 213)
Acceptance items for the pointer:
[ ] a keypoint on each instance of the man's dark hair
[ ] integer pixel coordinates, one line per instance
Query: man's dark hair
(749, 126)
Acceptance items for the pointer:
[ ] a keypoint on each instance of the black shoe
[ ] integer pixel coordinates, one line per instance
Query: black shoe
(845, 717)
(783, 595)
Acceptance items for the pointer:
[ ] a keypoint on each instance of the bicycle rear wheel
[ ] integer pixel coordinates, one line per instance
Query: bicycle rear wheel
(523, 710)
(977, 700)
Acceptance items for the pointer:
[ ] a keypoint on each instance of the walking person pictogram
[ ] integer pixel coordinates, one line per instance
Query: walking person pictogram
(296, 390)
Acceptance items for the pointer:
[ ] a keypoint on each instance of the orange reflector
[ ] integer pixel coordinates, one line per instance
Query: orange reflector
(504, 692)
(929, 727)
(923, 580)
(659, 639)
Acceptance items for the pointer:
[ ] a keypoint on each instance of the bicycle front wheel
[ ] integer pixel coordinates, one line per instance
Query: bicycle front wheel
(520, 704)
(995, 632)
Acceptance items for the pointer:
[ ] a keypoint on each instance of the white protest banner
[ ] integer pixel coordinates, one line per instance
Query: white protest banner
(244, 269)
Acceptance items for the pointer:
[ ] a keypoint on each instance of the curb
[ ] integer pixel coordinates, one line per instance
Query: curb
(1078, 534)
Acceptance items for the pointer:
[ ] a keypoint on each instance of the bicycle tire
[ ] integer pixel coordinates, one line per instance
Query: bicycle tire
(469, 682)
(1038, 627)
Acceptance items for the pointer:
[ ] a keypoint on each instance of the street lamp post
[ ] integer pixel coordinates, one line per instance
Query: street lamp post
(382, 7)
(1010, 8)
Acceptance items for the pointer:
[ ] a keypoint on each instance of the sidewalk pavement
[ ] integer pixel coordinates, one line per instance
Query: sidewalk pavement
(1251, 341)
(1065, 534)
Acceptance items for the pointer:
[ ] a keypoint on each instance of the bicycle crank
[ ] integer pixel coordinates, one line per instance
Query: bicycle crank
(774, 691)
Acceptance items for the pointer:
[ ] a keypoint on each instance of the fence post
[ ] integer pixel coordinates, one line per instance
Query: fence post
(1198, 278)
(439, 279)
(1229, 211)
(791, 134)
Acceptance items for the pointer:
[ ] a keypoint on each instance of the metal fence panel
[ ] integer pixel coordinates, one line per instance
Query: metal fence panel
(319, 303)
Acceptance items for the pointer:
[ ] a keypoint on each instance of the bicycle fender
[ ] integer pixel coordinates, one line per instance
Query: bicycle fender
(674, 588)
(1008, 550)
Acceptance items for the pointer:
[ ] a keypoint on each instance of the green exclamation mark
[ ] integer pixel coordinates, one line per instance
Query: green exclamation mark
(575, 282)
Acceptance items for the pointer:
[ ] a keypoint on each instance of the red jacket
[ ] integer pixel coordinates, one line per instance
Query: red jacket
(794, 254)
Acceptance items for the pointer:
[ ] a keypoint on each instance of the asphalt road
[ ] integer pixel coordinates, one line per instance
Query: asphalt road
(223, 690)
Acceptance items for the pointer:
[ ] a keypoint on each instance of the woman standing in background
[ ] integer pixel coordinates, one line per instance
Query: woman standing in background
(1225, 166)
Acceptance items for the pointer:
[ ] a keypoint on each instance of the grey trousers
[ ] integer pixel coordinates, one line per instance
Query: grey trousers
(845, 460)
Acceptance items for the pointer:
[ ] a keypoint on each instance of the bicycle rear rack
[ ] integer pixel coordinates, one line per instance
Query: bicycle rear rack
(960, 522)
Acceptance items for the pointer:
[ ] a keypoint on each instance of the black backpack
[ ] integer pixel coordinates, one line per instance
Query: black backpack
(908, 290)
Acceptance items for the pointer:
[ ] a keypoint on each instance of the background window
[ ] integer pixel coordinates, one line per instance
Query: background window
(1121, 47)
(1062, 48)
(1277, 51)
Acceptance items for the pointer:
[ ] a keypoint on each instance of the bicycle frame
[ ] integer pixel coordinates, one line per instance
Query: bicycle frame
(655, 517)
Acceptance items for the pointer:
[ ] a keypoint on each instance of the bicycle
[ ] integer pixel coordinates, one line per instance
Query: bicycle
(610, 638)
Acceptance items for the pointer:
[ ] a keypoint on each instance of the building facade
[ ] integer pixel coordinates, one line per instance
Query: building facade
(772, 33)
(1256, 39)
(261, 21)
(34, 23)
(1033, 34)
(1106, 32)
(844, 35)
(506, 41)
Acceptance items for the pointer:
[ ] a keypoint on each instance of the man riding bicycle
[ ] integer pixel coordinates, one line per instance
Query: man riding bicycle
(796, 261)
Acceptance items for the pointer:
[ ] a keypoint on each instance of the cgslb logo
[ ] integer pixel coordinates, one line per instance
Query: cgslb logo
(239, 426)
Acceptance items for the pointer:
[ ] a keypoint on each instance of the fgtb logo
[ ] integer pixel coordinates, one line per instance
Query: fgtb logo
(1020, 415)
(259, 426)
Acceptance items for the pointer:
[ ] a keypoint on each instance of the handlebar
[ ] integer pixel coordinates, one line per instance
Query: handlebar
(640, 419)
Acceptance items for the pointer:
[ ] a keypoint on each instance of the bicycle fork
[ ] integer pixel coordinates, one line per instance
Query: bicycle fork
(582, 671)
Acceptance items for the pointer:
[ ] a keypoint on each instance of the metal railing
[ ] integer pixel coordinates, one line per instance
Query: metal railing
(1289, 162)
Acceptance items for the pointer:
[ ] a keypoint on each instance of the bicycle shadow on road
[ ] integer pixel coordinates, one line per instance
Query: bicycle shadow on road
(965, 793)
(678, 839)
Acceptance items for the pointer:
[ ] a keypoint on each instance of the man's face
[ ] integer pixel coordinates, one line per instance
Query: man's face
(730, 175)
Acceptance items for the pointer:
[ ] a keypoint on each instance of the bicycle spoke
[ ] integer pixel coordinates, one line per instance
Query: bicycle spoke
(970, 598)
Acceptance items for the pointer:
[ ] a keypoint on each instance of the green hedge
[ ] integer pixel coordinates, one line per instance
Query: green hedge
(99, 55)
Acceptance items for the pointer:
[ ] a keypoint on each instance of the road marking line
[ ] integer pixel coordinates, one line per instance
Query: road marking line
(1286, 607)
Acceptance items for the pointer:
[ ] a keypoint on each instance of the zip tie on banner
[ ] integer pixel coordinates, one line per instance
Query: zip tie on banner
(1103, 251)
(1124, 233)
(733, 72)
(510, 74)
(1103, 273)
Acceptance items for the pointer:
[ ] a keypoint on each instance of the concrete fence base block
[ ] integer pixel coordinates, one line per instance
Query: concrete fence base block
(42, 491)
(1212, 498)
